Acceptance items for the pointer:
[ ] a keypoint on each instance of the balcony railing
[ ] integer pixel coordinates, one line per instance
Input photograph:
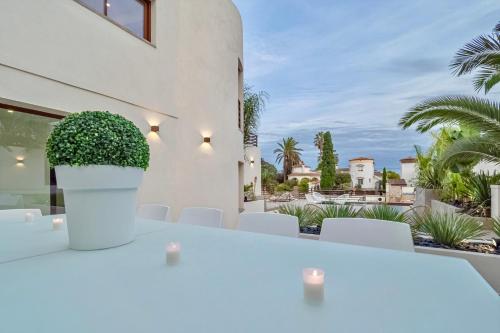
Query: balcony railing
(252, 140)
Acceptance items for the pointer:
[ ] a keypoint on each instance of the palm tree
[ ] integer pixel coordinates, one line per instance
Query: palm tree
(288, 154)
(319, 142)
(254, 105)
(480, 115)
(482, 54)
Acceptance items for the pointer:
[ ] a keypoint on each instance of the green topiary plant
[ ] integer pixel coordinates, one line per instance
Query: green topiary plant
(97, 138)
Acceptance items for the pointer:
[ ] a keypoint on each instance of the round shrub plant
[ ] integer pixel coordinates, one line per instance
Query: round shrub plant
(97, 138)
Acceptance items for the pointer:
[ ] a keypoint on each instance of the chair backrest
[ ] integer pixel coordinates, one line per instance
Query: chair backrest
(206, 217)
(367, 232)
(270, 223)
(154, 212)
(18, 214)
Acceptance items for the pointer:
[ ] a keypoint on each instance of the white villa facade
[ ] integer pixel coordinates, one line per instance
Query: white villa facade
(362, 170)
(174, 64)
(409, 170)
(304, 172)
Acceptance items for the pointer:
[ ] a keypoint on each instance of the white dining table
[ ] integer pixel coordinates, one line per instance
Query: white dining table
(20, 239)
(230, 281)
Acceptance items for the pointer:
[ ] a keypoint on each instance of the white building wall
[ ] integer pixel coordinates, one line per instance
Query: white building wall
(362, 169)
(253, 170)
(409, 173)
(59, 57)
(487, 168)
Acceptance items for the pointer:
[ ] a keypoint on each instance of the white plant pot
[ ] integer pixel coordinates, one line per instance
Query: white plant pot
(100, 203)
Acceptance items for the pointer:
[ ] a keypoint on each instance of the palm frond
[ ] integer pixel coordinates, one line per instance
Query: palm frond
(496, 226)
(384, 212)
(481, 114)
(484, 148)
(486, 79)
(481, 51)
(334, 211)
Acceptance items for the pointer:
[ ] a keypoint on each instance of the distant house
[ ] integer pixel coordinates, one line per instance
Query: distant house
(303, 171)
(362, 170)
(394, 190)
(409, 170)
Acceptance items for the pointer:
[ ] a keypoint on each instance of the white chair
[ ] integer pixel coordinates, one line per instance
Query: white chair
(154, 212)
(270, 223)
(18, 214)
(367, 232)
(205, 217)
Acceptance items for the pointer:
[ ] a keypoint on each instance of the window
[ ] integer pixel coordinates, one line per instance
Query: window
(133, 15)
(26, 180)
(360, 181)
(360, 167)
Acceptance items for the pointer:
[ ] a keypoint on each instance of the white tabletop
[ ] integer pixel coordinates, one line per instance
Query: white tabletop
(230, 281)
(19, 239)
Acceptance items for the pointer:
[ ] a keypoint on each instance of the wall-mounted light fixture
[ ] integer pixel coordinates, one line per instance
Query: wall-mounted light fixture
(20, 161)
(155, 129)
(10, 111)
(252, 162)
(206, 139)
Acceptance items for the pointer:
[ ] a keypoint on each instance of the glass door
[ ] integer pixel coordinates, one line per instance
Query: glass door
(26, 180)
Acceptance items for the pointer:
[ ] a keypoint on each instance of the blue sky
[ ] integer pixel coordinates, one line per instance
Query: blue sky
(354, 67)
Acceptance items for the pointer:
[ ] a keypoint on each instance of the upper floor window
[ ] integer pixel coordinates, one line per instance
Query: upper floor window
(360, 167)
(133, 15)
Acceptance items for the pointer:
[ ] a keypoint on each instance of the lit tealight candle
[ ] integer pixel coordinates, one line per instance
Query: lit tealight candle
(314, 285)
(173, 253)
(29, 217)
(57, 223)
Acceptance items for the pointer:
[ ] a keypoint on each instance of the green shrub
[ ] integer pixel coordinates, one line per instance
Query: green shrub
(97, 138)
(292, 182)
(306, 214)
(248, 188)
(496, 226)
(304, 186)
(334, 211)
(284, 187)
(327, 164)
(384, 212)
(449, 229)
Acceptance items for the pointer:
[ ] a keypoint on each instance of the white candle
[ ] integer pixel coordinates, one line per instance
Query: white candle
(173, 253)
(314, 285)
(29, 217)
(57, 223)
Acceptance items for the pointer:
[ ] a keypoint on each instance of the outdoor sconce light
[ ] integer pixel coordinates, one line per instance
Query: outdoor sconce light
(206, 139)
(10, 111)
(155, 129)
(252, 162)
(19, 161)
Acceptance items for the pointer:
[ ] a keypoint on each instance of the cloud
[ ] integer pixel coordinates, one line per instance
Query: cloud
(355, 69)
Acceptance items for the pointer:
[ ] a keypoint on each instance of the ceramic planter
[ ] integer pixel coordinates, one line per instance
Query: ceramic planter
(100, 204)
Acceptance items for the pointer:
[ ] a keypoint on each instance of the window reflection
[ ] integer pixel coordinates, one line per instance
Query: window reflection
(128, 13)
(97, 5)
(26, 181)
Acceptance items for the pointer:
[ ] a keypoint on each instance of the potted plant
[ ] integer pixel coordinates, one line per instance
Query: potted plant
(99, 159)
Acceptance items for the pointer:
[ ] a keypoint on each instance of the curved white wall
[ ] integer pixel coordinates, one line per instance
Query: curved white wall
(60, 57)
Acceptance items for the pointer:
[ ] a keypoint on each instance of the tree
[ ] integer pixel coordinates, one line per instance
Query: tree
(327, 165)
(384, 179)
(269, 174)
(393, 175)
(289, 154)
(319, 142)
(253, 107)
(480, 115)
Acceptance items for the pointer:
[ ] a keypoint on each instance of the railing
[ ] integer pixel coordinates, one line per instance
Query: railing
(252, 140)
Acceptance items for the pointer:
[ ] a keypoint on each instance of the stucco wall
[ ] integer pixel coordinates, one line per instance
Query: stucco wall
(367, 174)
(61, 57)
(409, 173)
(253, 170)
